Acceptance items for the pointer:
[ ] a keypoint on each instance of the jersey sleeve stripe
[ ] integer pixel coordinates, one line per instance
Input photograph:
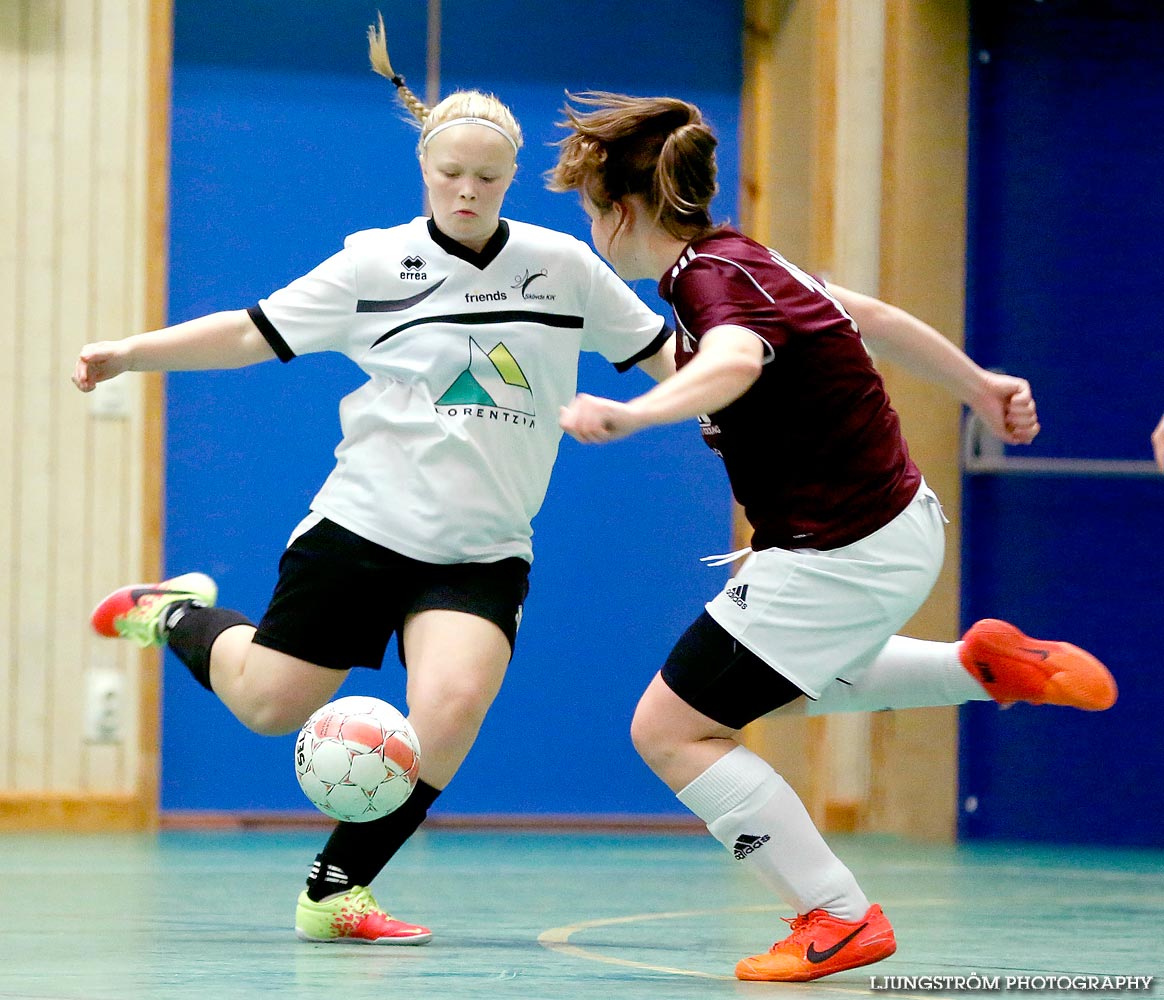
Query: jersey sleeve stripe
(735, 263)
(663, 336)
(396, 305)
(272, 336)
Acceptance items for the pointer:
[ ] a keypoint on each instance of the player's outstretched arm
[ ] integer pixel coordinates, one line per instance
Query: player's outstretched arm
(1003, 402)
(660, 365)
(727, 363)
(220, 340)
(1158, 443)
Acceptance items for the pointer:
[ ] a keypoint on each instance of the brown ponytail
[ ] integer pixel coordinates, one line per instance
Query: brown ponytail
(658, 148)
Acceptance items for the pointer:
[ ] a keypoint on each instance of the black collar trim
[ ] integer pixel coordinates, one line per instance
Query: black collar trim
(479, 260)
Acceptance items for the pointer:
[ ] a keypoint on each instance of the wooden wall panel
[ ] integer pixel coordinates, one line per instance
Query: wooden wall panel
(156, 167)
(782, 56)
(923, 269)
(852, 172)
(33, 360)
(74, 120)
(79, 252)
(12, 19)
(856, 143)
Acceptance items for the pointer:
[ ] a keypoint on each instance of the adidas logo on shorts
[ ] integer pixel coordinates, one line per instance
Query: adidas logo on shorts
(739, 595)
(746, 843)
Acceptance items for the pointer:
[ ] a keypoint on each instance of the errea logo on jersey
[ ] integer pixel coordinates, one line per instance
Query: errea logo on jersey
(413, 268)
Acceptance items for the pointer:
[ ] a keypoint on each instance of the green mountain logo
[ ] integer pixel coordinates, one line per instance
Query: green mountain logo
(492, 378)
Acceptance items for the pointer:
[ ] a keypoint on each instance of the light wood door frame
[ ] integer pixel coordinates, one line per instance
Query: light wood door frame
(83, 207)
(853, 146)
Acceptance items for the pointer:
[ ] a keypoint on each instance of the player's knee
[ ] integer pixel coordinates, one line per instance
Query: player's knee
(273, 694)
(271, 717)
(649, 733)
(642, 735)
(460, 703)
(270, 708)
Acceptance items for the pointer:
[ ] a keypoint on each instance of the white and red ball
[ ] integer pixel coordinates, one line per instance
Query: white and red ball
(357, 758)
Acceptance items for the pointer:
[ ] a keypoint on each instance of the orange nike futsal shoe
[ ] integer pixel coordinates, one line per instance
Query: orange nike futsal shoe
(821, 944)
(1014, 667)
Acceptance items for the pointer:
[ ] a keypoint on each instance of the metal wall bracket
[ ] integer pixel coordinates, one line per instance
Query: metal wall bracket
(984, 454)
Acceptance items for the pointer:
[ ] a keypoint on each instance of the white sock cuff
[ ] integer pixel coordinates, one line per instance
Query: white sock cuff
(728, 782)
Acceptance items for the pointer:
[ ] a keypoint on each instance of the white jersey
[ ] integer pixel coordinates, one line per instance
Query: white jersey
(447, 448)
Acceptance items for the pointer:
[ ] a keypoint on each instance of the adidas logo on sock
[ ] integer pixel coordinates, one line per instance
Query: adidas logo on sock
(336, 875)
(739, 595)
(746, 843)
(331, 874)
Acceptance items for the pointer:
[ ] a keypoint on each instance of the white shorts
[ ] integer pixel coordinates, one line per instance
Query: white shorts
(815, 615)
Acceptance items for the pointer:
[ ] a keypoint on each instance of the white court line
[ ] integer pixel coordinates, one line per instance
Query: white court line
(558, 939)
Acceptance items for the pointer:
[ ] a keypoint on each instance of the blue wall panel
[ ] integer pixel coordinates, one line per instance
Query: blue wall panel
(284, 142)
(1066, 262)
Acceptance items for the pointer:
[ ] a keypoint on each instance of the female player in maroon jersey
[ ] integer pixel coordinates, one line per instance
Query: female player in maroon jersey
(847, 538)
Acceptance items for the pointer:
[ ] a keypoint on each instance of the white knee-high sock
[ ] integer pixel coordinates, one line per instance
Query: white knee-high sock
(907, 673)
(757, 816)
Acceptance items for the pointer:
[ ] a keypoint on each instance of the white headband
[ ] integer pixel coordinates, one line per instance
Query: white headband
(469, 121)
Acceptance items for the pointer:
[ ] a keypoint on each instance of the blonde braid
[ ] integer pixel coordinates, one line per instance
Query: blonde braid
(378, 54)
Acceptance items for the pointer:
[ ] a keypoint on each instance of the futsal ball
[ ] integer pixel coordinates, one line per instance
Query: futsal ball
(357, 759)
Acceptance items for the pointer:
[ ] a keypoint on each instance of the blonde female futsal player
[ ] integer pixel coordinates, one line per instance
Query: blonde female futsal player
(423, 527)
(848, 538)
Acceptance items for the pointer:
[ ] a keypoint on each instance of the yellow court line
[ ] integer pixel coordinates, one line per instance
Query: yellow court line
(558, 939)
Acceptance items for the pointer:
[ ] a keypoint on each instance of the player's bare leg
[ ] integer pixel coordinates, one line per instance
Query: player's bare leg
(269, 692)
(757, 816)
(456, 663)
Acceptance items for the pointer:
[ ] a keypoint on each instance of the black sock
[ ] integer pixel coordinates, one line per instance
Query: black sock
(356, 853)
(190, 631)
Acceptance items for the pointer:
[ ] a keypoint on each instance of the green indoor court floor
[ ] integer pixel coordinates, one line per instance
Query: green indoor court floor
(556, 916)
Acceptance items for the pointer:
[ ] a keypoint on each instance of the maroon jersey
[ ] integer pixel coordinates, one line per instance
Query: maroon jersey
(813, 450)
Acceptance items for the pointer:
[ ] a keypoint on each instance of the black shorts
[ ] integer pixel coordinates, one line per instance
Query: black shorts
(340, 598)
(717, 676)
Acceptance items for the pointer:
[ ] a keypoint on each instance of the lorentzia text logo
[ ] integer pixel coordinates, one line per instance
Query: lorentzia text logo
(491, 387)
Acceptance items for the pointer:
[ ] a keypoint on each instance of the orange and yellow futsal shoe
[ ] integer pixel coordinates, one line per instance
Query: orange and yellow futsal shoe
(353, 918)
(137, 612)
(821, 944)
(1014, 667)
